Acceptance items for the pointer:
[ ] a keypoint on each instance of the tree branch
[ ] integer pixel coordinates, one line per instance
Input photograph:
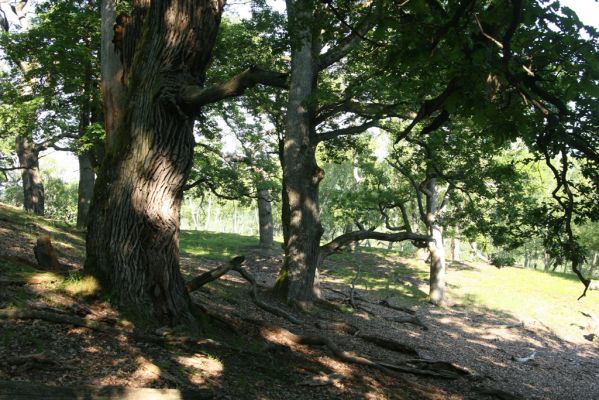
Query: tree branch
(351, 130)
(351, 41)
(341, 241)
(193, 97)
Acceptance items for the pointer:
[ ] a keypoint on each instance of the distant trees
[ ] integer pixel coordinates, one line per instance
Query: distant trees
(55, 99)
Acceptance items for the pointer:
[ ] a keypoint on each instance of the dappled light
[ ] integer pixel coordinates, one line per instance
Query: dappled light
(362, 200)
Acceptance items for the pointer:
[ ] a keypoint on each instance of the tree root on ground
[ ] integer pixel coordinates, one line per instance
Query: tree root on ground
(14, 314)
(235, 265)
(438, 369)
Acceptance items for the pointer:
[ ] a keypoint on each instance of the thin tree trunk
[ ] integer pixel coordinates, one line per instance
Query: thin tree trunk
(437, 251)
(265, 219)
(86, 172)
(285, 211)
(87, 179)
(33, 186)
(208, 213)
(133, 234)
(456, 254)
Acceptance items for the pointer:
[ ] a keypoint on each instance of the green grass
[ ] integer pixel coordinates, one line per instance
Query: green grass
(532, 296)
(528, 295)
(216, 246)
(549, 298)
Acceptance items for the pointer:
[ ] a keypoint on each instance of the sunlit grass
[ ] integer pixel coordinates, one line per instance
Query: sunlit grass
(83, 286)
(216, 246)
(529, 295)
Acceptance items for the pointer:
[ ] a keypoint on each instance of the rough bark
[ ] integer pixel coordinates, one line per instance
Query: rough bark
(265, 219)
(33, 186)
(298, 278)
(133, 234)
(437, 251)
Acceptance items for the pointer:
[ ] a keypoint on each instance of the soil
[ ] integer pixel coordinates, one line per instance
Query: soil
(258, 363)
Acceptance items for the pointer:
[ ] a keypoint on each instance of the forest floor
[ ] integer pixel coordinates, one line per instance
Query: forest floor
(478, 347)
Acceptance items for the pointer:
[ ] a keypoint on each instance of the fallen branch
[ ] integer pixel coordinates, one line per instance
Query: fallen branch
(213, 274)
(265, 306)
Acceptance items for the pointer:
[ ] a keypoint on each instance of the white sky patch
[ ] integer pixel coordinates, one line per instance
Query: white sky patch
(63, 164)
(587, 10)
(382, 142)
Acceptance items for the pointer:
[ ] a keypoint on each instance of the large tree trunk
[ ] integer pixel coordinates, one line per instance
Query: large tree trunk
(33, 186)
(265, 219)
(133, 234)
(297, 280)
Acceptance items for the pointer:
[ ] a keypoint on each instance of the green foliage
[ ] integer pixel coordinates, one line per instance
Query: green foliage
(502, 259)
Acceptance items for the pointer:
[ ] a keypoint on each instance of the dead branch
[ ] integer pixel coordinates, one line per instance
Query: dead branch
(213, 274)
(263, 305)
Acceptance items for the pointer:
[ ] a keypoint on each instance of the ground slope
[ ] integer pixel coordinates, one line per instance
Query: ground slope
(259, 360)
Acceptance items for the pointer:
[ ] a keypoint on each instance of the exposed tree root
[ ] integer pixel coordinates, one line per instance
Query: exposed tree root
(263, 305)
(385, 303)
(437, 369)
(235, 265)
(389, 344)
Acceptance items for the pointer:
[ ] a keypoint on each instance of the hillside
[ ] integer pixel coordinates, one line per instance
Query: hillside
(59, 329)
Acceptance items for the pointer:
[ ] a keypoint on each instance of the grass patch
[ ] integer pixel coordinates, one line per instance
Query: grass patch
(79, 285)
(216, 246)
